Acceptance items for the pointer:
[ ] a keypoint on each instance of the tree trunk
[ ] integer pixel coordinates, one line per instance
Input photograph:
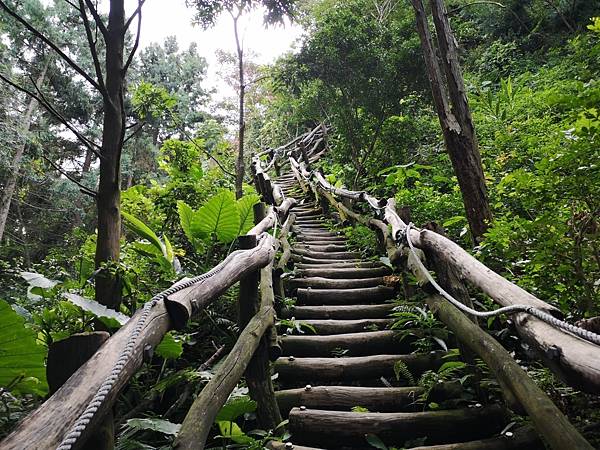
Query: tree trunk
(108, 287)
(455, 119)
(11, 183)
(239, 165)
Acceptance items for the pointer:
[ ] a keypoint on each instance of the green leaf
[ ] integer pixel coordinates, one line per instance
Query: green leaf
(246, 212)
(96, 308)
(142, 230)
(155, 424)
(169, 255)
(374, 441)
(186, 216)
(219, 216)
(232, 430)
(22, 367)
(169, 348)
(235, 408)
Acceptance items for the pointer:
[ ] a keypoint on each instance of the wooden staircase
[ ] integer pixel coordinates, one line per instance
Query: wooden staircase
(350, 360)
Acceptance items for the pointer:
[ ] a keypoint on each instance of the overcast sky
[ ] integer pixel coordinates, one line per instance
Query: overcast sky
(162, 18)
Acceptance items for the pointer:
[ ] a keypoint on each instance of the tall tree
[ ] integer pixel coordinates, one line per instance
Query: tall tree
(108, 80)
(452, 106)
(206, 15)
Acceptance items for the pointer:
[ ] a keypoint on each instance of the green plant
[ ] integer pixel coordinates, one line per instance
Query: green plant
(428, 332)
(401, 371)
(295, 326)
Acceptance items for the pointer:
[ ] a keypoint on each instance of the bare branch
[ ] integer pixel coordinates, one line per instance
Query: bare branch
(46, 104)
(42, 101)
(138, 11)
(93, 50)
(50, 44)
(73, 5)
(84, 189)
(138, 127)
(97, 18)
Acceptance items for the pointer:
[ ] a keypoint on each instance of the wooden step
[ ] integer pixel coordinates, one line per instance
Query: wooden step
(309, 260)
(338, 312)
(333, 283)
(344, 272)
(326, 255)
(332, 326)
(523, 438)
(353, 368)
(364, 295)
(357, 344)
(332, 428)
(335, 240)
(346, 397)
(340, 265)
(321, 247)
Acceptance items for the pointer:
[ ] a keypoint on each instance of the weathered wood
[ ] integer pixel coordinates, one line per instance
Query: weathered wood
(332, 326)
(312, 426)
(46, 426)
(523, 438)
(266, 224)
(258, 372)
(286, 248)
(64, 358)
(200, 418)
(321, 248)
(354, 367)
(309, 260)
(346, 397)
(333, 283)
(357, 344)
(376, 294)
(547, 418)
(344, 272)
(285, 207)
(276, 445)
(338, 312)
(326, 255)
(327, 240)
(340, 265)
(187, 302)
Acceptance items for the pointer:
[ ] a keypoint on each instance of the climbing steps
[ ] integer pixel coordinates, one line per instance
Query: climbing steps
(350, 360)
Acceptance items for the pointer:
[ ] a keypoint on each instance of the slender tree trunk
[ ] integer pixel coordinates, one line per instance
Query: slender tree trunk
(11, 183)
(240, 167)
(108, 287)
(87, 162)
(455, 118)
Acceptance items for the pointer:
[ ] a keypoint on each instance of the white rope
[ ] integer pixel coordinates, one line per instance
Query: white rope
(513, 309)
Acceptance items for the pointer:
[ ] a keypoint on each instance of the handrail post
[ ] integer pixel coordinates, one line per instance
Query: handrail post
(258, 371)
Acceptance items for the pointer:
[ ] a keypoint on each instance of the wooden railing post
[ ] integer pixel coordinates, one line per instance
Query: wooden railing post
(258, 372)
(64, 358)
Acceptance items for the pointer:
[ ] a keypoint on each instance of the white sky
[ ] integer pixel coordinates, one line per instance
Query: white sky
(162, 18)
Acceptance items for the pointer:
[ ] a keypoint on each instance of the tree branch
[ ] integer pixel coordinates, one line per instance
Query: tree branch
(93, 50)
(50, 44)
(52, 110)
(97, 18)
(138, 11)
(84, 189)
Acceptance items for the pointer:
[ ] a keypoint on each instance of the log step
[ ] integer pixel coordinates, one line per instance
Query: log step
(335, 240)
(524, 438)
(331, 326)
(333, 283)
(309, 260)
(326, 255)
(332, 428)
(338, 312)
(344, 273)
(340, 265)
(357, 344)
(346, 397)
(322, 247)
(353, 368)
(365, 295)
